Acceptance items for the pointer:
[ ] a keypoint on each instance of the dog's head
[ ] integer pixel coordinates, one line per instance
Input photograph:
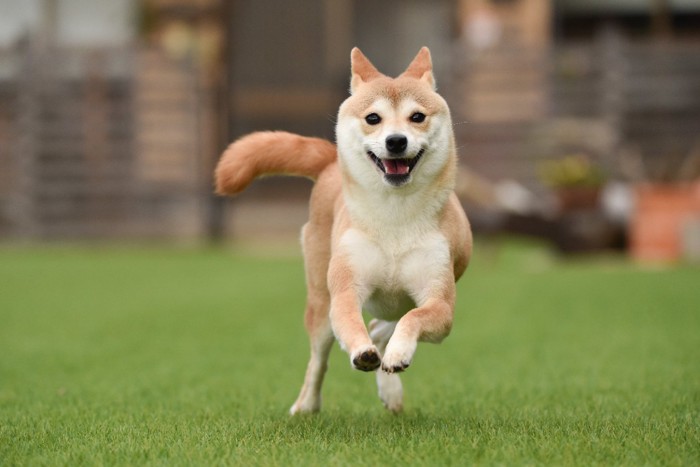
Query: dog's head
(394, 132)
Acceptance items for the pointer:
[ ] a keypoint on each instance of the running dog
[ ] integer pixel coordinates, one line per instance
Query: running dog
(386, 234)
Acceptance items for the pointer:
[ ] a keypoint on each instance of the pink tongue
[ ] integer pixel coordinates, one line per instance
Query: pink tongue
(396, 166)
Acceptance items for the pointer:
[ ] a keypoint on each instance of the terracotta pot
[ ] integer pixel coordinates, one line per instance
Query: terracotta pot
(577, 198)
(660, 214)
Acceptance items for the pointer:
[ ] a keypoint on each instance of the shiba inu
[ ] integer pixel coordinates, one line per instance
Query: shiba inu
(386, 233)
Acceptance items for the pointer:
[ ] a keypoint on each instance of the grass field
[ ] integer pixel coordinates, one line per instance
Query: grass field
(135, 356)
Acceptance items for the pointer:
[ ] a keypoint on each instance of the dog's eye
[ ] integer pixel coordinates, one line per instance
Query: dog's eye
(418, 117)
(373, 119)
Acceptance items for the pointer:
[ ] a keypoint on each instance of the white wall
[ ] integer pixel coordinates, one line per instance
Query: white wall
(16, 18)
(77, 22)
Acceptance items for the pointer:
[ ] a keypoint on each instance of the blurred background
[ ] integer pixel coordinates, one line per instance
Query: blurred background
(577, 121)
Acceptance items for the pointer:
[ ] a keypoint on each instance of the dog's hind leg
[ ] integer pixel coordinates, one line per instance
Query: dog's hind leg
(388, 384)
(316, 243)
(321, 340)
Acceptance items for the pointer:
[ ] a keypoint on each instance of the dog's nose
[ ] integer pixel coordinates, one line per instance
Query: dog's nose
(396, 144)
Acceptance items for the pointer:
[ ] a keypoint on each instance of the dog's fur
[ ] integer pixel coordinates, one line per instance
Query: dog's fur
(386, 232)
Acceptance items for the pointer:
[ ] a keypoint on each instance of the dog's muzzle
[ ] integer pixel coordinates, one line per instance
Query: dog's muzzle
(396, 170)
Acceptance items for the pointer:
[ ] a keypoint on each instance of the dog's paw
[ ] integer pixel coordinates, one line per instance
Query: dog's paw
(396, 367)
(308, 402)
(390, 391)
(367, 359)
(306, 407)
(398, 357)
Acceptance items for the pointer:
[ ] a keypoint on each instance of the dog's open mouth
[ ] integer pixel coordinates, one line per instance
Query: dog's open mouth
(396, 171)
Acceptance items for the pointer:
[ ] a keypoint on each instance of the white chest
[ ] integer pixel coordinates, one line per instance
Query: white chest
(398, 271)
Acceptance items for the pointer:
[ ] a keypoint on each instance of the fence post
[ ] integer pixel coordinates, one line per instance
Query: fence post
(613, 70)
(224, 117)
(25, 151)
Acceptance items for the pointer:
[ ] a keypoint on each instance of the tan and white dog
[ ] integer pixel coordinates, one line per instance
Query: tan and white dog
(386, 233)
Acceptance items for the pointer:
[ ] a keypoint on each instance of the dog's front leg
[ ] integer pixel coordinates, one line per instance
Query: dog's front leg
(346, 316)
(430, 322)
(389, 385)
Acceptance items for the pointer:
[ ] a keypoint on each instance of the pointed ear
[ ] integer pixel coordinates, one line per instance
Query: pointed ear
(421, 68)
(362, 69)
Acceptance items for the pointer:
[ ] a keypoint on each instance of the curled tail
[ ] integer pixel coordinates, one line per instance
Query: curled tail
(271, 153)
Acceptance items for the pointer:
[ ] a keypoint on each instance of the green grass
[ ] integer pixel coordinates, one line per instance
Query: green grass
(128, 356)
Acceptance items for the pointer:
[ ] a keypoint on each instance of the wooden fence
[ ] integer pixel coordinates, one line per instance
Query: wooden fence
(611, 99)
(109, 143)
(97, 144)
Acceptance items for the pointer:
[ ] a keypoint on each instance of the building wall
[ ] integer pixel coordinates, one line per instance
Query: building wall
(69, 22)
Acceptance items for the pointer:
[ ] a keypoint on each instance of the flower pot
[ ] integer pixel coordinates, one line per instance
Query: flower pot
(660, 214)
(578, 197)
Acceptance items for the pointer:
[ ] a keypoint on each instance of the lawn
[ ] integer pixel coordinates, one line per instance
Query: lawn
(167, 356)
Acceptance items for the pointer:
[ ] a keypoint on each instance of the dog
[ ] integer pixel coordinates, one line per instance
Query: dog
(386, 233)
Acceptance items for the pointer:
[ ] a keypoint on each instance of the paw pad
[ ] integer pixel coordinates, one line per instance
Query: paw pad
(367, 361)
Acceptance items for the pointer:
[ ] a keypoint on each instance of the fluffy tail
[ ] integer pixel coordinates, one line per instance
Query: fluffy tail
(271, 153)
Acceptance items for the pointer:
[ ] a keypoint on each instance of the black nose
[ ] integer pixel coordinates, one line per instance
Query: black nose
(396, 143)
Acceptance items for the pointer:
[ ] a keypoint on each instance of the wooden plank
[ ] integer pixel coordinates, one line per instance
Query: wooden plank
(284, 102)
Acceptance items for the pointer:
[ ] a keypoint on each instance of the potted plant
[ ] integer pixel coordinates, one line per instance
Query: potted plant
(662, 214)
(667, 209)
(575, 180)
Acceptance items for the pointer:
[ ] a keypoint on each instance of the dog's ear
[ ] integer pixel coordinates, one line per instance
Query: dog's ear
(421, 68)
(362, 70)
